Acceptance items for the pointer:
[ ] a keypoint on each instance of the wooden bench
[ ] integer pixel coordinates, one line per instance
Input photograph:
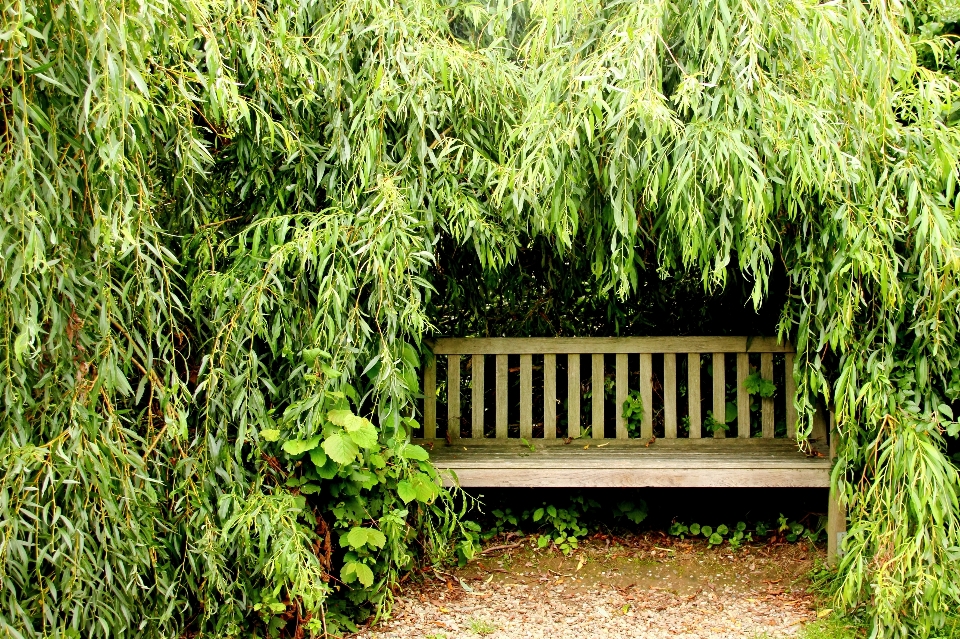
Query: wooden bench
(510, 446)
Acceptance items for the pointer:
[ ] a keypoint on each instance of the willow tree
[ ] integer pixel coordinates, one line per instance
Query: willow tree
(218, 243)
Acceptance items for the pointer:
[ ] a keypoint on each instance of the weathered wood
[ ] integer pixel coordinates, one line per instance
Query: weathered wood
(790, 391)
(670, 395)
(693, 394)
(526, 396)
(476, 398)
(646, 395)
(596, 396)
(836, 517)
(550, 396)
(453, 396)
(603, 477)
(502, 404)
(560, 345)
(622, 392)
(766, 404)
(678, 462)
(743, 397)
(430, 398)
(573, 395)
(719, 392)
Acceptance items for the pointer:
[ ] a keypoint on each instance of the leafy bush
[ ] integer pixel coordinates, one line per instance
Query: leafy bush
(220, 222)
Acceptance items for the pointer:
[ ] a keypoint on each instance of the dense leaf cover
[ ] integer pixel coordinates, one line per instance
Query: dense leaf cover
(219, 242)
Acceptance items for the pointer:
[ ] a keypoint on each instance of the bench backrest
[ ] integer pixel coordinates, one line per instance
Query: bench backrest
(652, 366)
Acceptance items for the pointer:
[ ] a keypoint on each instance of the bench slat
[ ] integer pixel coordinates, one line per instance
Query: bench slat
(730, 462)
(693, 394)
(743, 397)
(622, 391)
(646, 395)
(790, 390)
(550, 396)
(573, 395)
(670, 395)
(719, 392)
(766, 405)
(430, 398)
(476, 384)
(501, 401)
(596, 396)
(453, 396)
(526, 396)
(560, 345)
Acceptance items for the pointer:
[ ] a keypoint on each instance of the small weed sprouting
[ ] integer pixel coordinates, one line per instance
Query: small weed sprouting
(736, 536)
(712, 425)
(481, 627)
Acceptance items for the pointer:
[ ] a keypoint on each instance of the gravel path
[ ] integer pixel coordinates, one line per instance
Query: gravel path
(647, 586)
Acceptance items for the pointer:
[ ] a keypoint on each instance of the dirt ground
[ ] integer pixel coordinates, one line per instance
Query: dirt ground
(648, 586)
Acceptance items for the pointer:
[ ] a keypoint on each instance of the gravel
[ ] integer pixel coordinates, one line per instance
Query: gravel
(646, 587)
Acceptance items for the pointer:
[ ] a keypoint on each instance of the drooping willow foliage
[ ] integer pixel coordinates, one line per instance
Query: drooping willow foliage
(219, 234)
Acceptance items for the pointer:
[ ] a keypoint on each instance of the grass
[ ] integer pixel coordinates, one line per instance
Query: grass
(481, 627)
(839, 627)
(833, 627)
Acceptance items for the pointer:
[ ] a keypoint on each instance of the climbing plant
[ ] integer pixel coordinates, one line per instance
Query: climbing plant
(222, 225)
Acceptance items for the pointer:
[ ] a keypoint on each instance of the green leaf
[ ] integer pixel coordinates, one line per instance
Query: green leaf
(318, 457)
(406, 491)
(359, 537)
(361, 431)
(412, 451)
(296, 447)
(364, 574)
(348, 573)
(341, 448)
(270, 434)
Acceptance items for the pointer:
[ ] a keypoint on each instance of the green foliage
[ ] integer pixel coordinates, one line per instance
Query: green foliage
(711, 425)
(737, 535)
(222, 222)
(633, 413)
(755, 384)
(562, 526)
(481, 627)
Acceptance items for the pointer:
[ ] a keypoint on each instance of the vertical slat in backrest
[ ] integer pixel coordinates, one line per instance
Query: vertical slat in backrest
(693, 393)
(646, 395)
(719, 391)
(453, 396)
(622, 392)
(573, 395)
(766, 404)
(790, 390)
(670, 395)
(743, 397)
(693, 348)
(526, 396)
(476, 396)
(501, 400)
(596, 393)
(550, 396)
(430, 398)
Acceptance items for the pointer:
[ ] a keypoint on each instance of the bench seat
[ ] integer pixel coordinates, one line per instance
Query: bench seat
(628, 463)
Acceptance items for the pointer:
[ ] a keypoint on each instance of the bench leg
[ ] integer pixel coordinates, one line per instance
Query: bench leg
(836, 528)
(836, 518)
